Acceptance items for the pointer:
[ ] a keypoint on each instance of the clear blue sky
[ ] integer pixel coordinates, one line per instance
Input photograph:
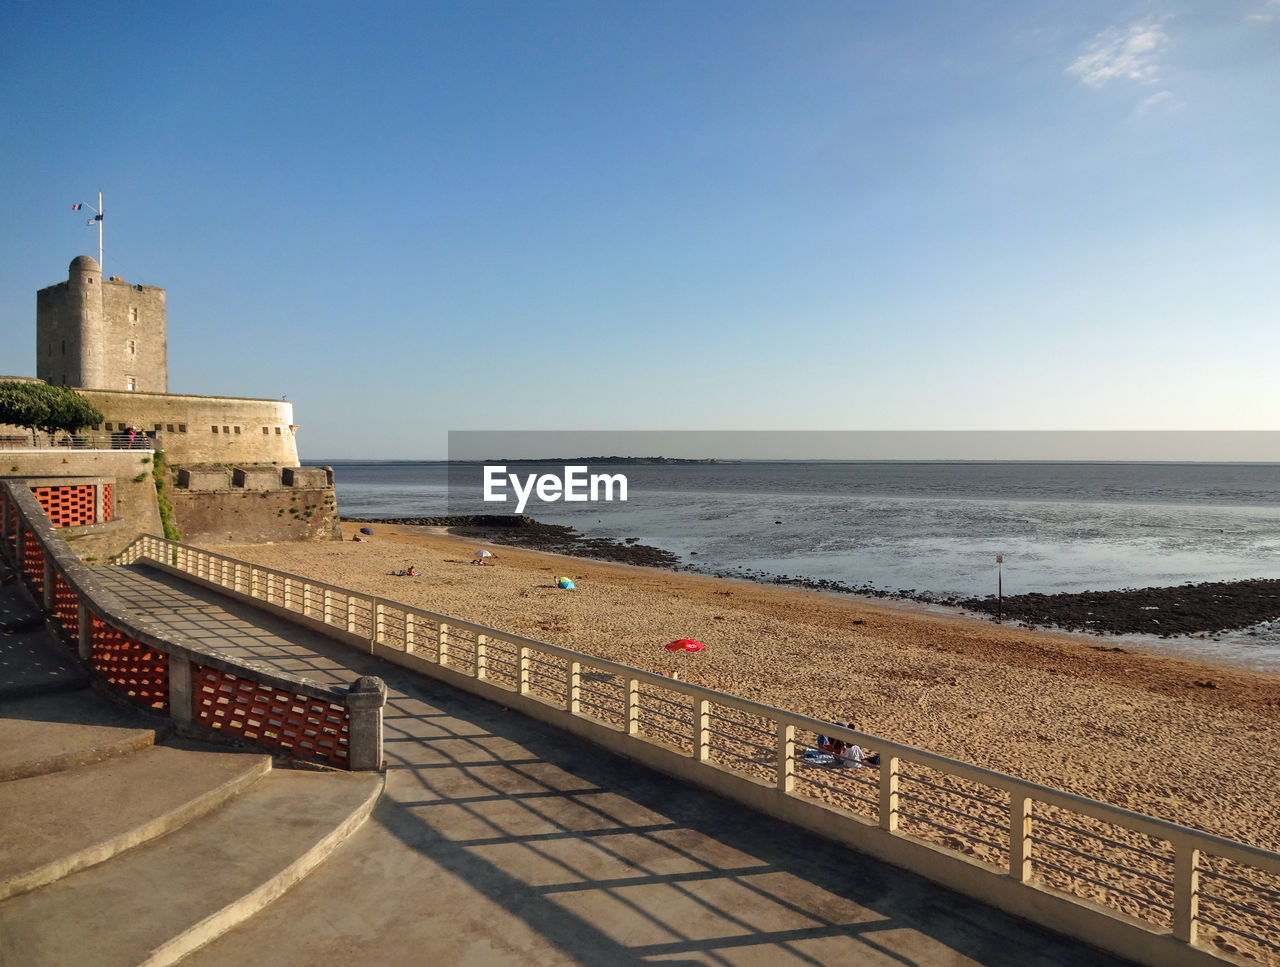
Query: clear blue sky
(417, 217)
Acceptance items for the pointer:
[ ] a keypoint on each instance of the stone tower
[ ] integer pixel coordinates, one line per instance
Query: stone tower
(93, 333)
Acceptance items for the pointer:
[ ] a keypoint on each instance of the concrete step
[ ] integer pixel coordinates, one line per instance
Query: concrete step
(156, 903)
(74, 819)
(50, 733)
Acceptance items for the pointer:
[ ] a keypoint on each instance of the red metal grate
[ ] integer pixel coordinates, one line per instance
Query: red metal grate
(308, 728)
(140, 672)
(33, 560)
(66, 604)
(108, 502)
(68, 506)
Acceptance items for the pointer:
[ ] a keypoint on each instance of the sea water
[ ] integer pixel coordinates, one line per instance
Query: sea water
(932, 526)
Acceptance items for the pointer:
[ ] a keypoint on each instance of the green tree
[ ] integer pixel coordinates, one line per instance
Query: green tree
(70, 411)
(39, 406)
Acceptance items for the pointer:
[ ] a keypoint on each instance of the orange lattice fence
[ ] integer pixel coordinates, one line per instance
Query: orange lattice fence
(66, 604)
(33, 560)
(136, 670)
(68, 506)
(108, 502)
(305, 727)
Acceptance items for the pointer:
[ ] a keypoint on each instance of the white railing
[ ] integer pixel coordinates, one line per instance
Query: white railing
(1139, 880)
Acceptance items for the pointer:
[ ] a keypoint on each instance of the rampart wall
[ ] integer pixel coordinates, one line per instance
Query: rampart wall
(194, 430)
(217, 505)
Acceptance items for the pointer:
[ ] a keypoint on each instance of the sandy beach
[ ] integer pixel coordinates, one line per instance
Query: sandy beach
(1189, 742)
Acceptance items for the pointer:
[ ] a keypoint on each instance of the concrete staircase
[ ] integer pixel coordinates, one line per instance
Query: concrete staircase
(121, 844)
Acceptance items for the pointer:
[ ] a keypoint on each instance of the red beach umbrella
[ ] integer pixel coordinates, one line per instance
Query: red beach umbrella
(685, 644)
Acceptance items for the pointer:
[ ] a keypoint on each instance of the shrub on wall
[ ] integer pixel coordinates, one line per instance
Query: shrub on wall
(167, 519)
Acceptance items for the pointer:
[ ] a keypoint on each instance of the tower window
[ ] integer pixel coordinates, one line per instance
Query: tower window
(133, 313)
(131, 383)
(133, 347)
(226, 429)
(215, 429)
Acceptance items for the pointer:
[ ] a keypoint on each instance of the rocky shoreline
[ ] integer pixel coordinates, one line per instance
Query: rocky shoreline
(520, 531)
(1210, 607)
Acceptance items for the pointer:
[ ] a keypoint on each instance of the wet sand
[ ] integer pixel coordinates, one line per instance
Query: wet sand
(1189, 742)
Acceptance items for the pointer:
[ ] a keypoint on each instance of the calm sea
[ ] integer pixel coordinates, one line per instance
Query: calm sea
(930, 526)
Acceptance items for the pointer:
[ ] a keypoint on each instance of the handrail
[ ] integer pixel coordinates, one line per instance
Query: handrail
(464, 648)
(196, 685)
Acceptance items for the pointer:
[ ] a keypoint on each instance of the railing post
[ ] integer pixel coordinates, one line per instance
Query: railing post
(48, 596)
(482, 654)
(179, 687)
(408, 632)
(524, 669)
(1019, 836)
(284, 593)
(84, 631)
(306, 600)
(326, 605)
(271, 582)
(379, 622)
(702, 741)
(1186, 893)
(365, 700)
(573, 695)
(890, 765)
(633, 706)
(351, 615)
(786, 764)
(442, 639)
(253, 581)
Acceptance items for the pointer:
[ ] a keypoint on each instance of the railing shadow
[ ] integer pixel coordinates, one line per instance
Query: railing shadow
(608, 861)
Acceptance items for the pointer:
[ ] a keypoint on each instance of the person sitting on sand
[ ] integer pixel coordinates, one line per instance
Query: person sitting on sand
(358, 539)
(849, 756)
(412, 572)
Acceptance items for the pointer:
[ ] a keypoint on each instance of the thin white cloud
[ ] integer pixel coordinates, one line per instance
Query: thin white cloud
(1163, 100)
(1122, 53)
(1264, 17)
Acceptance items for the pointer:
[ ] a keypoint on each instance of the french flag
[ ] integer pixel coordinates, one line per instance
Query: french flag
(76, 207)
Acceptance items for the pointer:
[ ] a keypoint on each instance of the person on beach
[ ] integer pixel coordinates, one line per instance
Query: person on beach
(850, 756)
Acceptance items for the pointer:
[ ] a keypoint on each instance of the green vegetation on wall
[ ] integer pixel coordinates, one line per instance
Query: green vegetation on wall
(171, 530)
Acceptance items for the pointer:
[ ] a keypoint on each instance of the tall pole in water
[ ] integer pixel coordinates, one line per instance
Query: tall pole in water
(999, 588)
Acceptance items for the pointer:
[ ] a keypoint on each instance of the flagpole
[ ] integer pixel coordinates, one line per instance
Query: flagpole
(99, 231)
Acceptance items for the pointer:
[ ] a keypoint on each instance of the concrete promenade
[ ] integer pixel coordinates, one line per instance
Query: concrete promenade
(502, 841)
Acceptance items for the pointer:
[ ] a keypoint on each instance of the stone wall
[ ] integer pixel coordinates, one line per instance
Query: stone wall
(254, 513)
(194, 430)
(135, 510)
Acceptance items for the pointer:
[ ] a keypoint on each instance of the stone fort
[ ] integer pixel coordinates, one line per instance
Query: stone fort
(108, 340)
